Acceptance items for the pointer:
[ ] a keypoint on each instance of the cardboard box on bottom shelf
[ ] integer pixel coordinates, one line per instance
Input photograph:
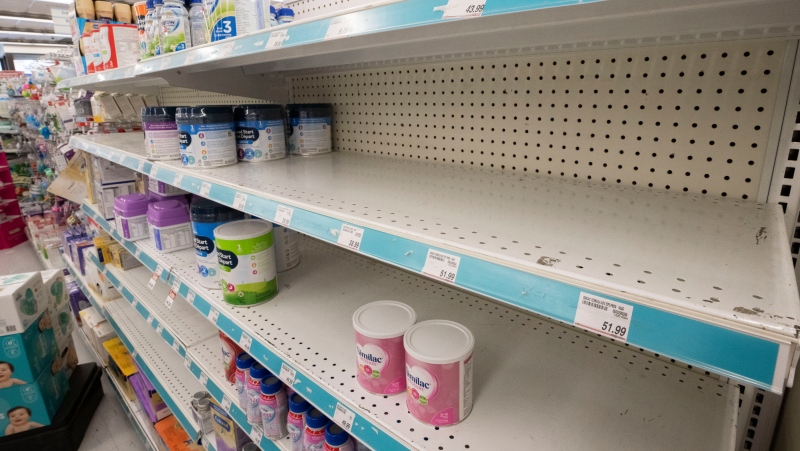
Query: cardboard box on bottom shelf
(97, 330)
(98, 282)
(121, 364)
(152, 402)
(175, 436)
(29, 406)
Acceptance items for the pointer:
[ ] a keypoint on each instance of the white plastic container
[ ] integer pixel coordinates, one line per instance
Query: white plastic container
(379, 328)
(130, 216)
(287, 247)
(439, 372)
(170, 228)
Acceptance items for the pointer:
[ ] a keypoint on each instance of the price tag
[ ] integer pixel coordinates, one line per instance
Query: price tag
(350, 236)
(226, 403)
(138, 253)
(153, 171)
(256, 435)
(176, 346)
(604, 316)
(154, 278)
(140, 167)
(134, 303)
(176, 284)
(284, 215)
(245, 342)
(159, 329)
(441, 266)
(190, 297)
(177, 180)
(187, 362)
(239, 201)
(457, 9)
(338, 28)
(205, 188)
(344, 417)
(226, 49)
(213, 315)
(165, 63)
(203, 379)
(134, 354)
(287, 374)
(170, 299)
(150, 319)
(128, 72)
(276, 39)
(190, 58)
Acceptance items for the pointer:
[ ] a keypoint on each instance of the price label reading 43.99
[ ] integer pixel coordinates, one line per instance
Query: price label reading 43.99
(456, 9)
(604, 316)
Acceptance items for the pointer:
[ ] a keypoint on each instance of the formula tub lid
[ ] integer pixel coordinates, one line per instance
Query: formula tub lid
(242, 230)
(167, 213)
(439, 341)
(131, 205)
(384, 319)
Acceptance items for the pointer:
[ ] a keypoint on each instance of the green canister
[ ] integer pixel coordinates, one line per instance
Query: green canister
(246, 257)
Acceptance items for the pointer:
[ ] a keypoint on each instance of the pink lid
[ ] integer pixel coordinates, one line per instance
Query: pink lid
(167, 213)
(130, 205)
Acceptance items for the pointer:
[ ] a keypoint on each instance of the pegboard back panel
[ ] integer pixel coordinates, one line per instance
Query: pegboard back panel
(691, 118)
(191, 97)
(307, 9)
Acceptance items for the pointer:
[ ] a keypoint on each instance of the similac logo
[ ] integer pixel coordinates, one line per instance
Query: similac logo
(421, 384)
(372, 359)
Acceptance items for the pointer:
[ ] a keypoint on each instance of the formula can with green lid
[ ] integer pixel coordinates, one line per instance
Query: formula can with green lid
(246, 257)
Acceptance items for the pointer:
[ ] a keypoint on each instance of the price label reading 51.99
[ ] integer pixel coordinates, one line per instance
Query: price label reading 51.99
(604, 316)
(442, 266)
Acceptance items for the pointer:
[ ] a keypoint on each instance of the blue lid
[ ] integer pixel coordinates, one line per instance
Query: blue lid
(316, 419)
(195, 2)
(257, 371)
(158, 2)
(244, 361)
(286, 12)
(335, 435)
(297, 404)
(149, 4)
(271, 385)
(272, 10)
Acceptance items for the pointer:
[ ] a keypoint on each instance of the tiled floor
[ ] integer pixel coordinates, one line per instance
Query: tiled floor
(110, 429)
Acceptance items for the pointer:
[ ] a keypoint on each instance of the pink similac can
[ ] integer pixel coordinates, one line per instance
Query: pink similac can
(439, 372)
(379, 330)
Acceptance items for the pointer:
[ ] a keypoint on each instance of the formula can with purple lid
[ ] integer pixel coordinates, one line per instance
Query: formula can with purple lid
(160, 133)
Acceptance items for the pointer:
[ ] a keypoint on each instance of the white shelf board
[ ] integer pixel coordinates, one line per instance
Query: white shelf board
(308, 326)
(711, 279)
(393, 32)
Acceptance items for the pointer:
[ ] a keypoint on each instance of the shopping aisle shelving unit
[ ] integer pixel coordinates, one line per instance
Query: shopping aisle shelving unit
(305, 336)
(153, 355)
(541, 252)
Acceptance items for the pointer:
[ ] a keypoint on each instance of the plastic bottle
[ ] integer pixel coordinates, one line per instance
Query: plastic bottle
(273, 16)
(296, 420)
(257, 372)
(285, 15)
(274, 408)
(197, 22)
(145, 48)
(154, 36)
(243, 364)
(337, 439)
(173, 25)
(314, 432)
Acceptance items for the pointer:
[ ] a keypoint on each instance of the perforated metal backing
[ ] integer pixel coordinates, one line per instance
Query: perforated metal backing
(307, 9)
(190, 97)
(691, 118)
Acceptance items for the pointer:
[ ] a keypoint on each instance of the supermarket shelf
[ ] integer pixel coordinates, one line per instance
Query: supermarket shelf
(416, 30)
(538, 250)
(306, 328)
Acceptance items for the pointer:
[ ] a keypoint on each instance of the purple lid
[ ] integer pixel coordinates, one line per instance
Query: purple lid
(167, 213)
(131, 205)
(155, 197)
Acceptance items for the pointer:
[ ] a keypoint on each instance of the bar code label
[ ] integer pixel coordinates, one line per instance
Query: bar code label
(239, 201)
(604, 316)
(140, 167)
(203, 379)
(205, 188)
(245, 342)
(134, 303)
(350, 236)
(150, 320)
(276, 39)
(256, 435)
(339, 28)
(344, 417)
(284, 215)
(226, 403)
(287, 374)
(177, 180)
(154, 278)
(442, 266)
(187, 362)
(190, 297)
(457, 9)
(176, 346)
(159, 329)
(213, 315)
(153, 171)
(170, 299)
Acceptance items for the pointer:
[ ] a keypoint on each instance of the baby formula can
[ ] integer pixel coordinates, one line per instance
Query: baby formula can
(163, 189)
(439, 372)
(130, 216)
(246, 258)
(314, 433)
(206, 216)
(287, 247)
(207, 136)
(259, 133)
(274, 408)
(230, 349)
(296, 420)
(380, 355)
(337, 439)
(257, 372)
(169, 225)
(160, 133)
(243, 364)
(310, 129)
